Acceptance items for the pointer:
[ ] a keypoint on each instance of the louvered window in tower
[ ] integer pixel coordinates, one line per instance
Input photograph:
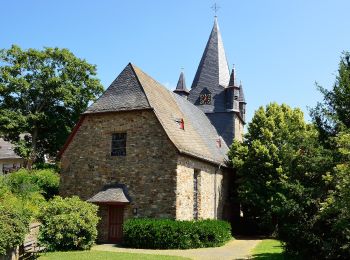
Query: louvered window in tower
(118, 144)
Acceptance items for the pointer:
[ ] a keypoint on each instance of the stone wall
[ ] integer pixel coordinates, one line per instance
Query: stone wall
(239, 128)
(212, 189)
(148, 170)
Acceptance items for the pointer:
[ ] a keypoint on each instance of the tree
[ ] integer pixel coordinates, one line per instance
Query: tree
(42, 94)
(279, 166)
(333, 114)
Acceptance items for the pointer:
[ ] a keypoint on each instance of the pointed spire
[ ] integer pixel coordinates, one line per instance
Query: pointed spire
(181, 88)
(241, 93)
(181, 83)
(232, 77)
(213, 68)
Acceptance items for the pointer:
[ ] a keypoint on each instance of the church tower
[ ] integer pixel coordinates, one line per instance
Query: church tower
(216, 92)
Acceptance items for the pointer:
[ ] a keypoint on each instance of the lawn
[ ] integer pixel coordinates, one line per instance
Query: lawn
(269, 249)
(100, 255)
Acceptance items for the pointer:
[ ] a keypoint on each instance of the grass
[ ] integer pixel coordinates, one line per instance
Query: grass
(268, 249)
(100, 255)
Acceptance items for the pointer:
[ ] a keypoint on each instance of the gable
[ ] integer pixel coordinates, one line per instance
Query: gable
(125, 93)
(135, 90)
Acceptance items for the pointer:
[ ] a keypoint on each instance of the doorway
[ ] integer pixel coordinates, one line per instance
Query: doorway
(115, 223)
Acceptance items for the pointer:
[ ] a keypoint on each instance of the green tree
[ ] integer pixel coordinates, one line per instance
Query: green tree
(279, 166)
(333, 113)
(43, 93)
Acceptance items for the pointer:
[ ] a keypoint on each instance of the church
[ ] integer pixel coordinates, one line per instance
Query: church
(143, 151)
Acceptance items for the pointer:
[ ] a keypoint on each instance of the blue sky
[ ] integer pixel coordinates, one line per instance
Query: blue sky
(280, 48)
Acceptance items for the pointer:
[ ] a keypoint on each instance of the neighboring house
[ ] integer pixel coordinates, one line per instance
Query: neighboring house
(9, 160)
(143, 151)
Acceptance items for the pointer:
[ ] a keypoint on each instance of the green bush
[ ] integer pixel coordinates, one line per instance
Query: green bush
(13, 227)
(23, 182)
(68, 224)
(169, 234)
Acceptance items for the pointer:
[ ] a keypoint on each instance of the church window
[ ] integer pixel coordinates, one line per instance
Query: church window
(118, 144)
(195, 193)
(205, 99)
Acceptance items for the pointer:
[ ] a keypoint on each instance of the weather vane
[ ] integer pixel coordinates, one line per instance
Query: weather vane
(215, 8)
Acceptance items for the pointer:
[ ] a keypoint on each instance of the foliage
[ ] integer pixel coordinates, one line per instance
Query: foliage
(13, 219)
(280, 166)
(13, 227)
(42, 93)
(335, 211)
(68, 224)
(100, 255)
(305, 190)
(169, 234)
(333, 114)
(25, 182)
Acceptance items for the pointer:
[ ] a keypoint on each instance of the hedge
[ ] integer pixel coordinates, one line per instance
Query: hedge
(172, 234)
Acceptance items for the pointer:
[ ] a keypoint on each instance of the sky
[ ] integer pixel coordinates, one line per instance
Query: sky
(280, 48)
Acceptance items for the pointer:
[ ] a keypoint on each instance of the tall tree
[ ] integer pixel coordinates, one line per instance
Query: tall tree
(279, 165)
(42, 94)
(333, 114)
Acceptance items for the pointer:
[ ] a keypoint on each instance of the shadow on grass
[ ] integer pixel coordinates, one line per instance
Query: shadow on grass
(269, 256)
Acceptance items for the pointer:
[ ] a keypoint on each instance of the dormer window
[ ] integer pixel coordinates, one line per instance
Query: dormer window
(118, 144)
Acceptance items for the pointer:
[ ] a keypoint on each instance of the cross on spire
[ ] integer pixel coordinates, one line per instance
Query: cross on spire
(215, 8)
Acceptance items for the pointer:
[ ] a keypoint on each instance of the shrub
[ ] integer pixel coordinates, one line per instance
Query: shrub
(23, 182)
(68, 224)
(13, 227)
(169, 234)
(48, 182)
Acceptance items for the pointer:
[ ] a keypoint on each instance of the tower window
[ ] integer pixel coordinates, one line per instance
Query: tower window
(118, 144)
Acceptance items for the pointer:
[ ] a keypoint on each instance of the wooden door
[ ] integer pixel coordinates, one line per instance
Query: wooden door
(115, 223)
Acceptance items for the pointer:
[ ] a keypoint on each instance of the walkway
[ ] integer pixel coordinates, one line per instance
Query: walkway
(235, 249)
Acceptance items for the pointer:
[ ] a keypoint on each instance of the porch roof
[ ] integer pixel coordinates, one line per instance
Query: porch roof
(110, 195)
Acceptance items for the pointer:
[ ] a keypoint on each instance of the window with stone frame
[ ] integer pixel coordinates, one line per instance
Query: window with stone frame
(118, 144)
(195, 193)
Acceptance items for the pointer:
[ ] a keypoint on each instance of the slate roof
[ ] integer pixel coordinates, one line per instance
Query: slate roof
(198, 139)
(181, 84)
(6, 150)
(241, 94)
(115, 194)
(213, 75)
(213, 68)
(232, 78)
(124, 93)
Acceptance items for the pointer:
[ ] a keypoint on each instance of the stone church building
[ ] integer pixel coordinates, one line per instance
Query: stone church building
(143, 151)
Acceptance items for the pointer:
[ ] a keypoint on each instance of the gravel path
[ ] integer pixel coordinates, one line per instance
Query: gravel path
(235, 249)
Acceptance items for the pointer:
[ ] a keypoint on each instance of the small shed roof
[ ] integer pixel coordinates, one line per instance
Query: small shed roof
(110, 195)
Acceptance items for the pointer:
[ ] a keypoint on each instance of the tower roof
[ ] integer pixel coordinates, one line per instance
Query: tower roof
(241, 93)
(232, 77)
(181, 84)
(213, 68)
